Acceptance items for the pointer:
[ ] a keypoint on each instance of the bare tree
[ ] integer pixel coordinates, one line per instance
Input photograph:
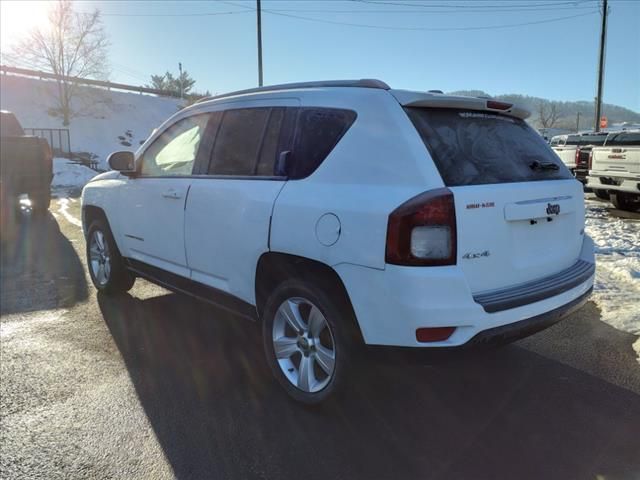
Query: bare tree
(548, 113)
(74, 44)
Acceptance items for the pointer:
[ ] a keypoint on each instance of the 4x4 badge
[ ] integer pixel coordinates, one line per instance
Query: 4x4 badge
(553, 209)
(471, 256)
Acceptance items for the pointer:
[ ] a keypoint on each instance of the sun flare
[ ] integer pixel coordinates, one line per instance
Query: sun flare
(19, 17)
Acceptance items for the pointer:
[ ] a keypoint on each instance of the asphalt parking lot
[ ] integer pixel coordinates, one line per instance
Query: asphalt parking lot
(156, 385)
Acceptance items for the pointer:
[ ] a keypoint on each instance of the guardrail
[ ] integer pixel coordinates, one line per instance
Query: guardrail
(59, 139)
(86, 81)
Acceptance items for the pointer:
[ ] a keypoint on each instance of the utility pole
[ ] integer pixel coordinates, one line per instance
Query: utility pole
(577, 122)
(603, 37)
(259, 19)
(180, 77)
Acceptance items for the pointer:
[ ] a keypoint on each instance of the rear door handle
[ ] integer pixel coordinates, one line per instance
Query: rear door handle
(171, 193)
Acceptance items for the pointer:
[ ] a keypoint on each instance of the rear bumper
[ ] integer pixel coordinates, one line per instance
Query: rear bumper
(524, 328)
(505, 299)
(391, 304)
(607, 181)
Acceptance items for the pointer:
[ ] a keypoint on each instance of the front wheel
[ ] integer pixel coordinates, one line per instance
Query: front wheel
(625, 201)
(106, 267)
(306, 341)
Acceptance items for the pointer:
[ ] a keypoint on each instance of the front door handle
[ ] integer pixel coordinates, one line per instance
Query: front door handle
(171, 193)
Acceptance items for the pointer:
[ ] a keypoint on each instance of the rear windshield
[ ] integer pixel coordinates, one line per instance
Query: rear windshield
(9, 126)
(476, 148)
(629, 139)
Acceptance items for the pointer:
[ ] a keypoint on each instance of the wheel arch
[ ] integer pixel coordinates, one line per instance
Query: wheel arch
(275, 267)
(91, 213)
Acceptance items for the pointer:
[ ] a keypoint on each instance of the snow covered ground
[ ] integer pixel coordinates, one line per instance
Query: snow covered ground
(67, 174)
(617, 287)
(105, 121)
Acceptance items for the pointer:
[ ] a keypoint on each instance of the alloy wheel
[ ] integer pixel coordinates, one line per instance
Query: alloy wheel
(100, 258)
(304, 345)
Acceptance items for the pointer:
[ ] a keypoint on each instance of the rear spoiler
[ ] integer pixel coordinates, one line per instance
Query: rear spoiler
(438, 100)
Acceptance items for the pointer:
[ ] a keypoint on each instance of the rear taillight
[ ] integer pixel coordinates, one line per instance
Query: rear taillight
(590, 159)
(577, 156)
(422, 231)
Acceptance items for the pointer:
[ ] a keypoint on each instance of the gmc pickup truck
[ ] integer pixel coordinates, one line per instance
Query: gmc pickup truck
(614, 170)
(26, 164)
(574, 151)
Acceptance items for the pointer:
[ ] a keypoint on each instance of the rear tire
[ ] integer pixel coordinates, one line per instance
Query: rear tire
(602, 194)
(625, 201)
(106, 267)
(310, 330)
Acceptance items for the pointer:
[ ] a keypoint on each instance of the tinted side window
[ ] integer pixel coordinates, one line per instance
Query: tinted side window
(318, 131)
(269, 152)
(597, 140)
(628, 139)
(238, 142)
(573, 140)
(174, 151)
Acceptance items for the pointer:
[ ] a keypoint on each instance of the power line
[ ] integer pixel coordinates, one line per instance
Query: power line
(473, 5)
(473, 8)
(428, 29)
(429, 12)
(208, 14)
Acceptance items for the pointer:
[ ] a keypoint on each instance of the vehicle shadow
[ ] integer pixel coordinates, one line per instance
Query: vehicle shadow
(39, 267)
(201, 376)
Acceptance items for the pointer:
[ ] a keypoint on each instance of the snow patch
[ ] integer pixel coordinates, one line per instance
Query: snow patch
(104, 121)
(617, 284)
(64, 210)
(68, 174)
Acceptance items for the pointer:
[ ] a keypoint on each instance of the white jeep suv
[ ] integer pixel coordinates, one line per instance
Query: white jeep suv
(344, 212)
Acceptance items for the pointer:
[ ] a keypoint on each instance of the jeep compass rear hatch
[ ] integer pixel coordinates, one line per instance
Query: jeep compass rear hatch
(519, 212)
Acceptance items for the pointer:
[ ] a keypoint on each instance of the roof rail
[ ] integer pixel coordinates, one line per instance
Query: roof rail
(363, 83)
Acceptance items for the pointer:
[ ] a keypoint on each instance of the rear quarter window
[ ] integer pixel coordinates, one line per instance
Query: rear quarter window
(475, 148)
(318, 131)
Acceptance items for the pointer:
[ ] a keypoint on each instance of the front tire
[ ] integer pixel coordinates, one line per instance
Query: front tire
(106, 267)
(306, 340)
(625, 201)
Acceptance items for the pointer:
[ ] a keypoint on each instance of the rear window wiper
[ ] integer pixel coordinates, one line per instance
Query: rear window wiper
(543, 166)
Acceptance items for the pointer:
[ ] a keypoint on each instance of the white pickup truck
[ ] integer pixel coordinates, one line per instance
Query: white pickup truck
(614, 169)
(565, 147)
(574, 150)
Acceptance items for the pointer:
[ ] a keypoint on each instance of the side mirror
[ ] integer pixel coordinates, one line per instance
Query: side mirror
(123, 162)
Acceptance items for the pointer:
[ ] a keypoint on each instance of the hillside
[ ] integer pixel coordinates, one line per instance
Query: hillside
(567, 110)
(104, 121)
